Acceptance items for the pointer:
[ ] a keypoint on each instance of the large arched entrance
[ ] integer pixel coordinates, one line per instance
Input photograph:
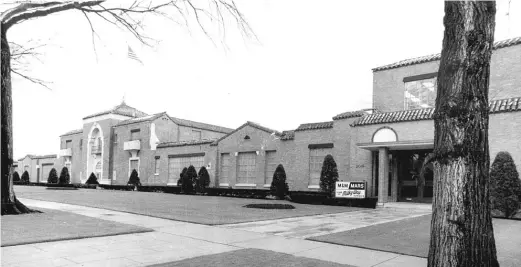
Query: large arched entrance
(95, 153)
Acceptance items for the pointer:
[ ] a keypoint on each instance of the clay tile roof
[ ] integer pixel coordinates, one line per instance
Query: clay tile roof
(186, 143)
(434, 57)
(200, 125)
(350, 114)
(121, 109)
(73, 132)
(495, 106)
(315, 126)
(288, 135)
(140, 119)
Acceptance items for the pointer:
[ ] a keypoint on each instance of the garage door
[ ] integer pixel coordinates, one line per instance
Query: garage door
(46, 168)
(176, 165)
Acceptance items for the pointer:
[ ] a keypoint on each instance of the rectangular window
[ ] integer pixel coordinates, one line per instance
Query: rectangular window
(134, 165)
(135, 134)
(316, 158)
(420, 93)
(177, 164)
(246, 168)
(270, 166)
(68, 144)
(196, 135)
(156, 166)
(115, 138)
(225, 168)
(81, 144)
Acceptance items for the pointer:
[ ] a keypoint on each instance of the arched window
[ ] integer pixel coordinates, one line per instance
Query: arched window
(385, 134)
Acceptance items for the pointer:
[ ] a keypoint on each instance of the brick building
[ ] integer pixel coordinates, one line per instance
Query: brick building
(384, 146)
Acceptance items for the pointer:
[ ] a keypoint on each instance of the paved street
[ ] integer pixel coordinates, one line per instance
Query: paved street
(173, 241)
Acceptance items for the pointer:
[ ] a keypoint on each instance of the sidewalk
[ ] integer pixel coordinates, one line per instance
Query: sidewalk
(173, 241)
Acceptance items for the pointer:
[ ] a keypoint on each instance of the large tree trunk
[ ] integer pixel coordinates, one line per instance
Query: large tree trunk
(461, 227)
(10, 205)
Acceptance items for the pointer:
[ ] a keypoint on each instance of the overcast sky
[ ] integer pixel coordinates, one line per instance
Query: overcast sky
(313, 61)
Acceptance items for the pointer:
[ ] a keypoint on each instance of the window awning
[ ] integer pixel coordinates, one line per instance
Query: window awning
(399, 145)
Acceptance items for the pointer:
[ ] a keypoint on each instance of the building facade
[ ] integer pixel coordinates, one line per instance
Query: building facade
(384, 146)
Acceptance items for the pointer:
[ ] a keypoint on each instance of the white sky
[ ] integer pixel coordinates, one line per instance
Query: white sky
(313, 61)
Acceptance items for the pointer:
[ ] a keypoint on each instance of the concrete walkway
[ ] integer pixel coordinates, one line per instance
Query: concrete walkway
(310, 226)
(173, 241)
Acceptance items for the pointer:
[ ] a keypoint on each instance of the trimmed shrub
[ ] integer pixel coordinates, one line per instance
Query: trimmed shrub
(134, 179)
(16, 177)
(188, 180)
(270, 206)
(279, 187)
(505, 186)
(181, 175)
(329, 175)
(64, 176)
(203, 180)
(93, 179)
(53, 177)
(25, 177)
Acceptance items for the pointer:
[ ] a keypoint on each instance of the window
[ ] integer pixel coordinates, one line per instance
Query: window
(157, 166)
(316, 159)
(135, 134)
(115, 138)
(246, 168)
(225, 168)
(97, 170)
(420, 93)
(196, 135)
(134, 165)
(270, 167)
(81, 144)
(176, 165)
(68, 144)
(68, 165)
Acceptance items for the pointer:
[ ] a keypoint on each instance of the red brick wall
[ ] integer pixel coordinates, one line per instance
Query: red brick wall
(505, 79)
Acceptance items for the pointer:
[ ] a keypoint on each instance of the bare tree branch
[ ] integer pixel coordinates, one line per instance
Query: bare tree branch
(32, 79)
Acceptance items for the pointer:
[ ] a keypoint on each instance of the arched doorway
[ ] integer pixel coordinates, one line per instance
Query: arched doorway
(95, 152)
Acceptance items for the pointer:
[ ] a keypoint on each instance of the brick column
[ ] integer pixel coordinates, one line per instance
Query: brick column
(383, 174)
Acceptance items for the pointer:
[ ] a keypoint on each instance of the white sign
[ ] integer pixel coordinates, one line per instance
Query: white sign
(350, 189)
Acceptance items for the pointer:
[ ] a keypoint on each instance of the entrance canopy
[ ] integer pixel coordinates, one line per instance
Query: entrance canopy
(398, 145)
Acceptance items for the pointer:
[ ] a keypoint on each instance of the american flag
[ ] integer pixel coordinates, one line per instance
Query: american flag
(133, 55)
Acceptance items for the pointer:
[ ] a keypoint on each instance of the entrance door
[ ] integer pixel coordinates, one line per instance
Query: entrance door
(414, 184)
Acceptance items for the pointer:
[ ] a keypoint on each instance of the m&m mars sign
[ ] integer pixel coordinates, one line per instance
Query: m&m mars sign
(350, 189)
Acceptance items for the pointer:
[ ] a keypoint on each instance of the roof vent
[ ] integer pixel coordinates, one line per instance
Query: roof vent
(247, 137)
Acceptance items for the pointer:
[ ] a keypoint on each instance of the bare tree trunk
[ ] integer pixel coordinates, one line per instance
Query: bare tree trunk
(461, 227)
(10, 205)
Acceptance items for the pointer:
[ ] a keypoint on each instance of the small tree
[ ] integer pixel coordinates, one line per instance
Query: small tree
(203, 180)
(505, 186)
(64, 176)
(25, 177)
(181, 175)
(134, 179)
(188, 180)
(279, 187)
(93, 179)
(16, 177)
(53, 177)
(329, 175)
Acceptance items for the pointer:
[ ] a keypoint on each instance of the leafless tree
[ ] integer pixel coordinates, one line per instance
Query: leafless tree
(126, 17)
(461, 227)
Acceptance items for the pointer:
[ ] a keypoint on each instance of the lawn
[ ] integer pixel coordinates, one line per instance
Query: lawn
(411, 237)
(251, 257)
(209, 210)
(54, 225)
